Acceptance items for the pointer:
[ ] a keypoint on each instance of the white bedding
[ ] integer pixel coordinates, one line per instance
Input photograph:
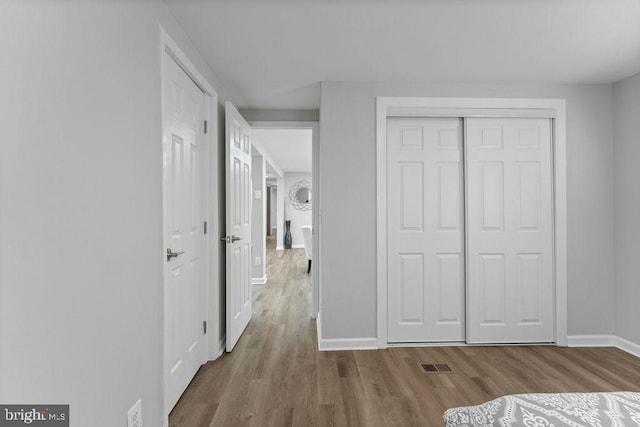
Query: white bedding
(620, 409)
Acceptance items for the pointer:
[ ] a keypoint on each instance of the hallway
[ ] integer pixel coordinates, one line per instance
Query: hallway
(255, 383)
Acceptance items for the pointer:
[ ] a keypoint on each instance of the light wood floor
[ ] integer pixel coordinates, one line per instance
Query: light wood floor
(277, 377)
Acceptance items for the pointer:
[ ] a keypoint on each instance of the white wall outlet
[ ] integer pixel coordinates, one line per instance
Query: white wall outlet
(258, 260)
(258, 194)
(134, 416)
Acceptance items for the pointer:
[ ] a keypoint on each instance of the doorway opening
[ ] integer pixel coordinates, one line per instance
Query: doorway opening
(285, 198)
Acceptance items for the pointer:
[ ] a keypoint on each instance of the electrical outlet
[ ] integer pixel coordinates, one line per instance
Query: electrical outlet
(134, 416)
(258, 260)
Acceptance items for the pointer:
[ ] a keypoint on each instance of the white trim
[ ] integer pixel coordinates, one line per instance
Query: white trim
(468, 112)
(474, 107)
(212, 303)
(316, 211)
(427, 344)
(462, 344)
(339, 344)
(591, 340)
(318, 330)
(222, 345)
(336, 344)
(628, 346)
(604, 341)
(259, 280)
(298, 246)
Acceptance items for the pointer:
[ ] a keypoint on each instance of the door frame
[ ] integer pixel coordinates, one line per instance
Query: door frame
(211, 287)
(316, 210)
(554, 109)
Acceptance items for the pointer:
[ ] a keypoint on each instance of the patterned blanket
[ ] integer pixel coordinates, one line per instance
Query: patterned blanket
(619, 409)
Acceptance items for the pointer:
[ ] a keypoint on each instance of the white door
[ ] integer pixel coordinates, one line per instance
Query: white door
(183, 136)
(425, 230)
(238, 238)
(510, 235)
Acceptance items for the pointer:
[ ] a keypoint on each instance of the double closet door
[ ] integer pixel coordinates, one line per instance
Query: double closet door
(470, 230)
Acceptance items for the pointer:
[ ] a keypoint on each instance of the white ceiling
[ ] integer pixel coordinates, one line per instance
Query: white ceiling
(274, 53)
(289, 148)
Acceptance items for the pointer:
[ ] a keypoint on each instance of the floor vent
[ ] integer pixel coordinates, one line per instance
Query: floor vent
(436, 367)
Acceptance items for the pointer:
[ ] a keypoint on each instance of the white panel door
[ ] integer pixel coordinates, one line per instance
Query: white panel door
(425, 230)
(238, 239)
(510, 231)
(183, 136)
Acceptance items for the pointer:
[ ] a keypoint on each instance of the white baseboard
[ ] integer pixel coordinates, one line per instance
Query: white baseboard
(604, 341)
(318, 330)
(259, 280)
(219, 352)
(336, 344)
(628, 346)
(279, 248)
(428, 344)
(591, 340)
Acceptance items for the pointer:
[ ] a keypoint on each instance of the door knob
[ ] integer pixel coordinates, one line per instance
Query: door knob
(230, 239)
(171, 254)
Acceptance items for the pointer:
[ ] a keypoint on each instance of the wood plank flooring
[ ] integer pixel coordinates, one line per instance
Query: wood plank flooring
(277, 377)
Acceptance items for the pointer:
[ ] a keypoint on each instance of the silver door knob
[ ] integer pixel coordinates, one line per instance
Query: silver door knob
(171, 254)
(230, 239)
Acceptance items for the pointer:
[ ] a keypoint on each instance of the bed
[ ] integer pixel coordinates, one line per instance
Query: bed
(620, 409)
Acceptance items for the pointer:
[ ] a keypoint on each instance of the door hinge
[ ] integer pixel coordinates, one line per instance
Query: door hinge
(205, 126)
(204, 326)
(205, 227)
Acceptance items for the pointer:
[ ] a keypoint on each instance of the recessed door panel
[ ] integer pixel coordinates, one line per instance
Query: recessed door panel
(530, 282)
(411, 189)
(492, 282)
(492, 196)
(412, 288)
(449, 196)
(528, 197)
(411, 138)
(451, 289)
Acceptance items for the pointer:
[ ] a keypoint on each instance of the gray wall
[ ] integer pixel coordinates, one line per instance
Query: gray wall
(627, 207)
(274, 208)
(81, 297)
(258, 218)
(347, 189)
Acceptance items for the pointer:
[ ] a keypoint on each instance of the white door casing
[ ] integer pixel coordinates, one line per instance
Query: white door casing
(238, 227)
(183, 136)
(425, 230)
(510, 230)
(552, 109)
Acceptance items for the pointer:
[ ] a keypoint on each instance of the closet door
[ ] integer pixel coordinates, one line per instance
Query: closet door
(425, 299)
(510, 234)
